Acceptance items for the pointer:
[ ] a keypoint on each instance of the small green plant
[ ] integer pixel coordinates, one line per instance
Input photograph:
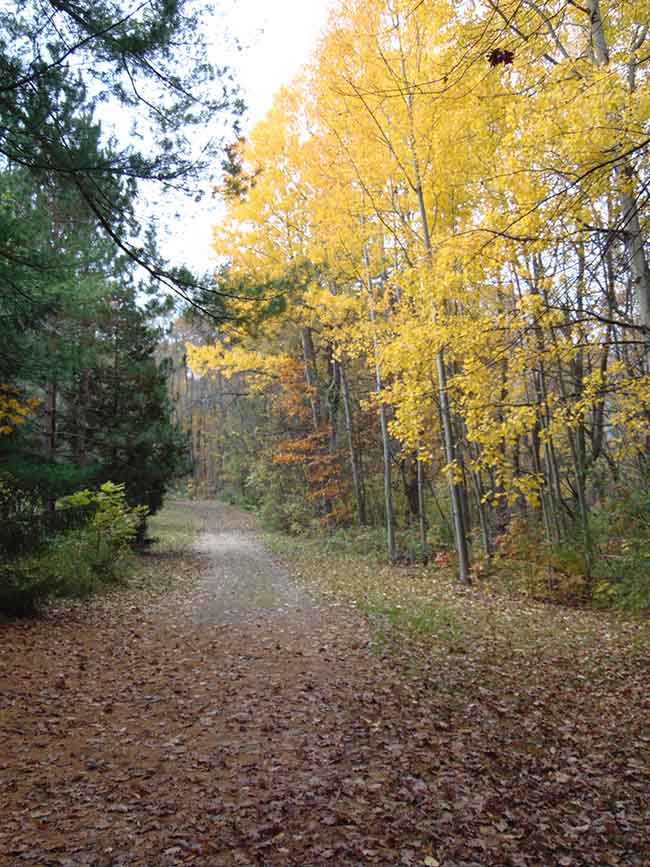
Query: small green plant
(21, 589)
(67, 565)
(114, 521)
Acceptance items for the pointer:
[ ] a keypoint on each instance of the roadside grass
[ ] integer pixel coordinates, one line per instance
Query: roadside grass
(168, 560)
(421, 615)
(173, 528)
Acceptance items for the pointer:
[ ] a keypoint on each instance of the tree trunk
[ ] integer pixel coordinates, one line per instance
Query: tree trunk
(409, 472)
(541, 393)
(634, 243)
(355, 459)
(81, 421)
(383, 424)
(388, 494)
(454, 485)
(422, 518)
(634, 240)
(480, 507)
(599, 50)
(49, 430)
(333, 400)
(311, 377)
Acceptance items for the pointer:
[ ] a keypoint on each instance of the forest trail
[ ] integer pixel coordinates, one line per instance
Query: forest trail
(228, 722)
(240, 581)
(233, 720)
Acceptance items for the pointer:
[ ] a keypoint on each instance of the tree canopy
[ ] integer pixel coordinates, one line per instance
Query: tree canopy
(144, 70)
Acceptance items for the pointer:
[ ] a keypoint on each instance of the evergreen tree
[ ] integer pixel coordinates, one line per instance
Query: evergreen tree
(148, 65)
(130, 434)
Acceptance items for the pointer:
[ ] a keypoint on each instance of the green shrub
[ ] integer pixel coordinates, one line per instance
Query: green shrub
(623, 565)
(22, 588)
(74, 562)
(357, 540)
(291, 515)
(234, 497)
(72, 565)
(409, 546)
(634, 588)
(114, 521)
(79, 560)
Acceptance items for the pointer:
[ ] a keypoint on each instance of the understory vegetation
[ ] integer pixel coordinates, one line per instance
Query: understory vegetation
(93, 549)
(422, 619)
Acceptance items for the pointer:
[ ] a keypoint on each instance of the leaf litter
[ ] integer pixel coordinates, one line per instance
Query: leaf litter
(285, 733)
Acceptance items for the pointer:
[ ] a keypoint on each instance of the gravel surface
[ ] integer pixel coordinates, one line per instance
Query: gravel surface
(240, 580)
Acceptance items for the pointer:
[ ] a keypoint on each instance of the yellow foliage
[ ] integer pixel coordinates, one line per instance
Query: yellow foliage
(14, 408)
(259, 368)
(443, 196)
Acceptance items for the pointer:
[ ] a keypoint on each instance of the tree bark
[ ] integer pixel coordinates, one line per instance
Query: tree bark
(455, 486)
(81, 420)
(480, 508)
(333, 399)
(635, 246)
(599, 50)
(355, 459)
(311, 377)
(49, 430)
(634, 240)
(383, 424)
(422, 518)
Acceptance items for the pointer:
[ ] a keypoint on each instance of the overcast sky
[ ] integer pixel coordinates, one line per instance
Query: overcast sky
(276, 38)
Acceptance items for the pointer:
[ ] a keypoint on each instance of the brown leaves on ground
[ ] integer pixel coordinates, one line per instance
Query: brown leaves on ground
(133, 736)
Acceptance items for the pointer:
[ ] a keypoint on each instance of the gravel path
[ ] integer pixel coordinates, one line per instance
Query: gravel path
(240, 581)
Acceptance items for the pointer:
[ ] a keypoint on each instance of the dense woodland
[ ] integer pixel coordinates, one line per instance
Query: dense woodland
(430, 318)
(87, 441)
(434, 293)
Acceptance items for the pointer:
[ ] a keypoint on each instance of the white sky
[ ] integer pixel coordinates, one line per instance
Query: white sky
(276, 38)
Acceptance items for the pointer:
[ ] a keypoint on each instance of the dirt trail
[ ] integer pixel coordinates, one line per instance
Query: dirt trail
(230, 722)
(240, 581)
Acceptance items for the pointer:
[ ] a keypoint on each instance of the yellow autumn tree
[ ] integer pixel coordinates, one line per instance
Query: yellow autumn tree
(457, 193)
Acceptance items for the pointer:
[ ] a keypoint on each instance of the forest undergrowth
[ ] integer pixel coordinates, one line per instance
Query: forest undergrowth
(421, 615)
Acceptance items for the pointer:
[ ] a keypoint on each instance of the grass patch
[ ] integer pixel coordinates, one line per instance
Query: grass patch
(173, 528)
(423, 611)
